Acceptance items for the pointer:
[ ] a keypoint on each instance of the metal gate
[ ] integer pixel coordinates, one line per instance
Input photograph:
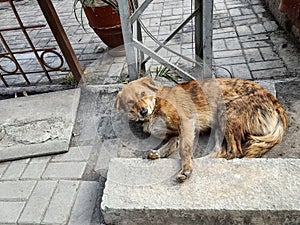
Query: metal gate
(48, 59)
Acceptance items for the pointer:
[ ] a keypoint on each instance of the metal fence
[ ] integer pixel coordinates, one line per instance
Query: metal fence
(202, 12)
(48, 59)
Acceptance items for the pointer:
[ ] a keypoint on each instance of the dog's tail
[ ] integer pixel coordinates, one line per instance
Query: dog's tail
(257, 146)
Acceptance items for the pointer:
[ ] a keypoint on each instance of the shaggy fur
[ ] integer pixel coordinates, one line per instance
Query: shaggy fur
(245, 119)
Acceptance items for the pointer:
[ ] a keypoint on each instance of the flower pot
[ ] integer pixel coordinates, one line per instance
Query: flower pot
(106, 22)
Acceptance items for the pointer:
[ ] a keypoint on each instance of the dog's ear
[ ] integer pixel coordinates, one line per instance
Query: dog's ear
(151, 85)
(118, 102)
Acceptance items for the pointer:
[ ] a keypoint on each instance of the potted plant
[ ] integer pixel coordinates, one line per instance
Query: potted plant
(104, 18)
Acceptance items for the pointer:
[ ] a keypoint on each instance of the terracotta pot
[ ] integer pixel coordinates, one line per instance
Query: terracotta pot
(292, 9)
(106, 23)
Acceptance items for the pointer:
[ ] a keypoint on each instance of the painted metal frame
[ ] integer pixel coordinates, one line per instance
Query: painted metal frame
(58, 33)
(203, 39)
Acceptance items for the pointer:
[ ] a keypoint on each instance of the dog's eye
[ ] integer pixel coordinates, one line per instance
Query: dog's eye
(130, 102)
(143, 94)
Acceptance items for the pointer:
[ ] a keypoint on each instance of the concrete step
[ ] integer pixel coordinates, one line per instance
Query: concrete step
(240, 191)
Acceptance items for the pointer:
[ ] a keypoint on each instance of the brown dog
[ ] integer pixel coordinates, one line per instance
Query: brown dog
(245, 119)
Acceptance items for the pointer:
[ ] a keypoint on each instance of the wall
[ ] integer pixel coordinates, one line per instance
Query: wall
(290, 20)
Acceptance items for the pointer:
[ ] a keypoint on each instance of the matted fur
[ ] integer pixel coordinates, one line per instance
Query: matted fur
(250, 119)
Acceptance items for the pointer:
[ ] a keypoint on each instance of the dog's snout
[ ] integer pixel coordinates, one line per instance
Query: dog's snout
(144, 111)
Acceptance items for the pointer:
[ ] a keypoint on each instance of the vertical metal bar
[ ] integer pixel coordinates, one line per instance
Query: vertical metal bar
(28, 39)
(199, 29)
(13, 58)
(207, 35)
(141, 66)
(128, 37)
(199, 37)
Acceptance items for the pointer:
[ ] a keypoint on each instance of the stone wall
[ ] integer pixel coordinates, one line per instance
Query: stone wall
(283, 19)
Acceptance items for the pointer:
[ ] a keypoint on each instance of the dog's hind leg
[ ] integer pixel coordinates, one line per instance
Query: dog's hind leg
(234, 147)
(165, 150)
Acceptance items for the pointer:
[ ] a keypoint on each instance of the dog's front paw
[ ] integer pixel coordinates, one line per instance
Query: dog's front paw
(153, 155)
(183, 175)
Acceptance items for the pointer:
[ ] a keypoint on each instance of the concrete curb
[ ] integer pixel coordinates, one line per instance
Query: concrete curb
(240, 191)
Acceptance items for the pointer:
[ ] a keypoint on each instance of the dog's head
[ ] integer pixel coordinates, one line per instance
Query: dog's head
(135, 96)
(142, 109)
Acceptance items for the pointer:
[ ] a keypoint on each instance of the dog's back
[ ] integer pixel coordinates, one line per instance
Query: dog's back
(255, 120)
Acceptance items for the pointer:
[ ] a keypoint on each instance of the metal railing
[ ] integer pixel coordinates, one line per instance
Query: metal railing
(10, 56)
(202, 14)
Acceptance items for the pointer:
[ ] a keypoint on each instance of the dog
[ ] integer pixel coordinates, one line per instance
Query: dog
(246, 120)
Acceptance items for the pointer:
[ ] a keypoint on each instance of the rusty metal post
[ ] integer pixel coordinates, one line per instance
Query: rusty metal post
(61, 38)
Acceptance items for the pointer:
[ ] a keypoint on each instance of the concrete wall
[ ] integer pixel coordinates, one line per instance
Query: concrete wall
(283, 19)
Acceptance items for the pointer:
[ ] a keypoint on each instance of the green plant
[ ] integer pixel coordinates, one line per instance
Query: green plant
(69, 80)
(95, 3)
(165, 72)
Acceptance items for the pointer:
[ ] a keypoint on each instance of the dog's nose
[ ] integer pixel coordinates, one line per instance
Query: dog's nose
(144, 111)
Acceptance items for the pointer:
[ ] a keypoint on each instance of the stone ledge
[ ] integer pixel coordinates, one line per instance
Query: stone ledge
(240, 191)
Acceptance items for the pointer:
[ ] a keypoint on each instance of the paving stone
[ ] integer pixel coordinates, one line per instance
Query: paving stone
(259, 8)
(241, 71)
(219, 6)
(67, 170)
(235, 12)
(230, 60)
(115, 69)
(224, 35)
(15, 170)
(270, 26)
(10, 211)
(16, 190)
(246, 21)
(266, 65)
(78, 154)
(35, 168)
(239, 191)
(232, 43)
(269, 73)
(243, 18)
(243, 30)
(37, 204)
(255, 38)
(223, 71)
(233, 5)
(226, 22)
(256, 44)
(246, 11)
(85, 203)
(219, 45)
(61, 203)
(3, 167)
(253, 55)
(268, 53)
(223, 30)
(257, 28)
(225, 54)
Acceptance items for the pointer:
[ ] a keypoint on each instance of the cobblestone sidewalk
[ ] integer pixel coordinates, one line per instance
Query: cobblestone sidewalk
(66, 189)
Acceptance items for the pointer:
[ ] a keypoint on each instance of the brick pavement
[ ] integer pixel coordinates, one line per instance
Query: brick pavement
(64, 189)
